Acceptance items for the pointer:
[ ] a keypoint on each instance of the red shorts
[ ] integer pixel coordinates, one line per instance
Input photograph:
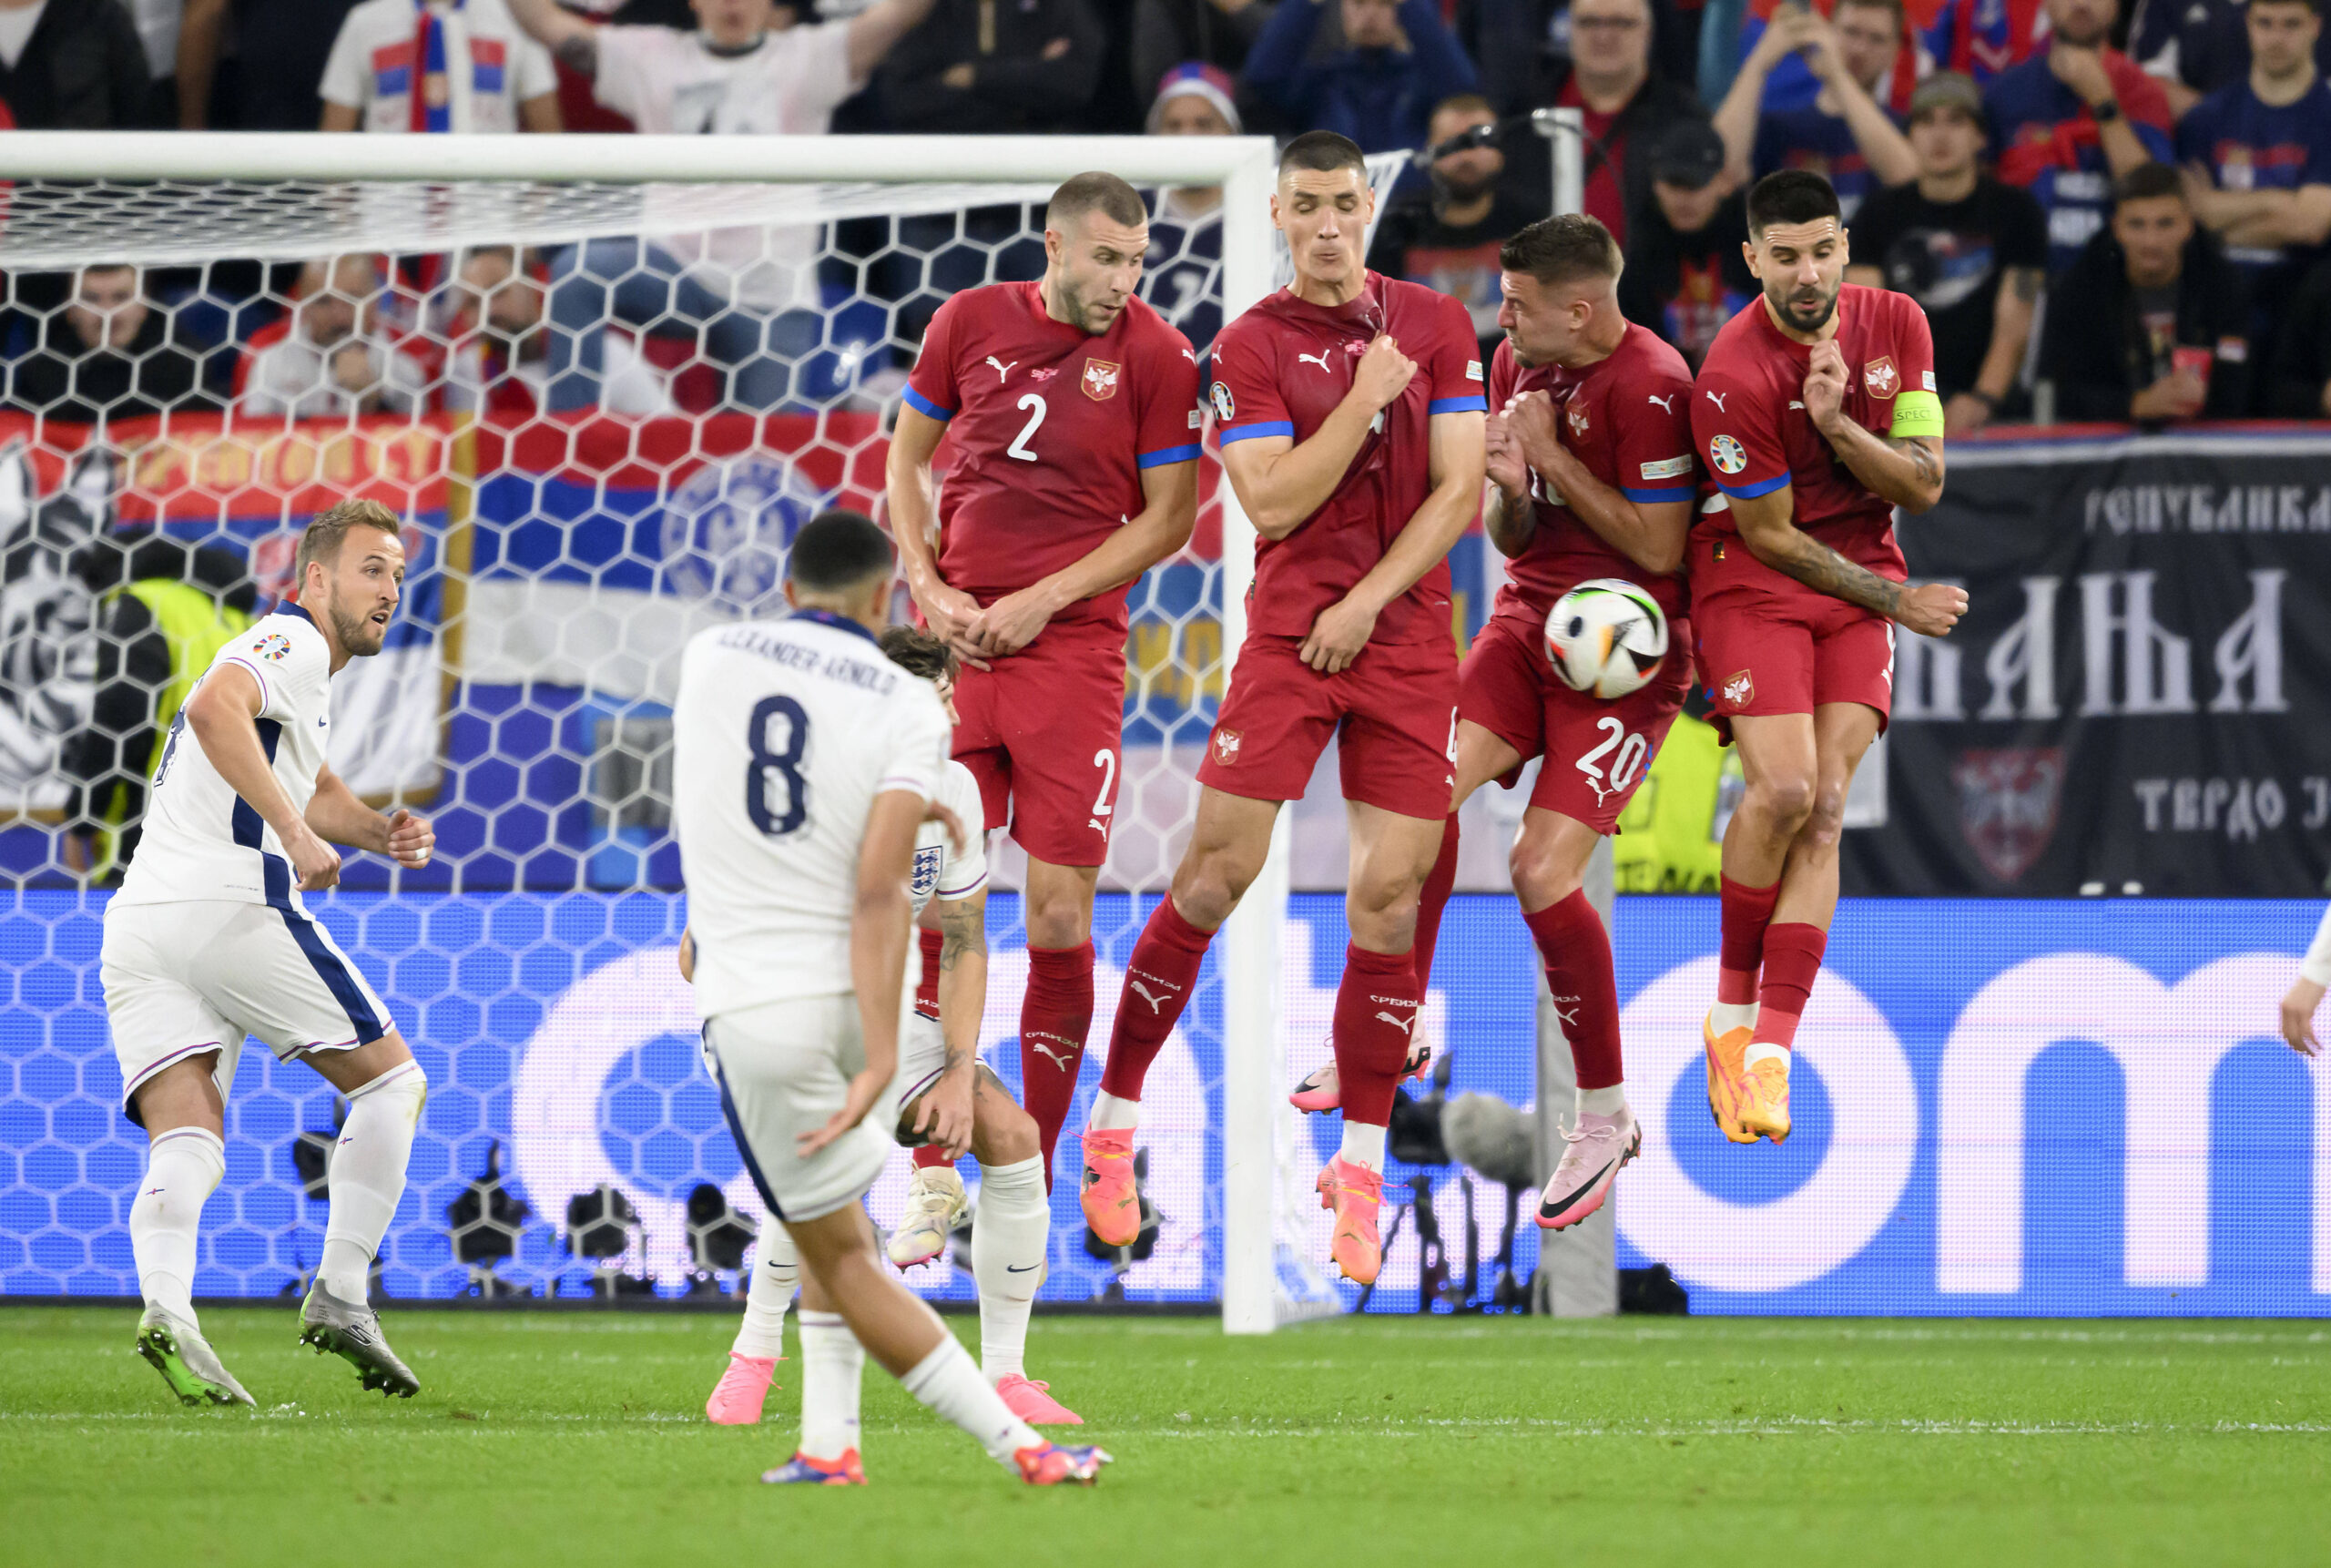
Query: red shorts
(1043, 730)
(1769, 645)
(1596, 753)
(1395, 710)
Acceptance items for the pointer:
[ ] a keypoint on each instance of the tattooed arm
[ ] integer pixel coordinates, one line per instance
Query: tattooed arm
(1905, 471)
(945, 1112)
(1767, 526)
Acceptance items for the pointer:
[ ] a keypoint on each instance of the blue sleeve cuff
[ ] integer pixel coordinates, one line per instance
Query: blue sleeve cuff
(924, 406)
(1682, 494)
(1165, 455)
(1471, 403)
(1750, 491)
(1252, 432)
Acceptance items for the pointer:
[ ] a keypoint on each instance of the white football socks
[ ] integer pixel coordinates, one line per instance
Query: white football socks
(947, 1383)
(1726, 1016)
(1607, 1102)
(183, 1168)
(832, 1362)
(1008, 1260)
(1765, 1051)
(1363, 1144)
(368, 1176)
(1111, 1115)
(777, 1269)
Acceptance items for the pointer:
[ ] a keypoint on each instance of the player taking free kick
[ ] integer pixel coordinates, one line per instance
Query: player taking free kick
(1591, 475)
(804, 764)
(1071, 410)
(1349, 412)
(209, 940)
(1817, 413)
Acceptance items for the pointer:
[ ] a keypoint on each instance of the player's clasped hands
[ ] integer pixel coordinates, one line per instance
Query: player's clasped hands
(1383, 373)
(411, 840)
(950, 614)
(1535, 427)
(1010, 623)
(1508, 469)
(1337, 637)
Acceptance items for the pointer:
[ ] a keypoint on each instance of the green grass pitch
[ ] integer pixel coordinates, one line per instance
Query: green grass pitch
(573, 1437)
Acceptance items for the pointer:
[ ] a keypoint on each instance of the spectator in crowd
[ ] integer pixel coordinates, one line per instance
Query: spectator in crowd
(2257, 155)
(72, 64)
(2152, 323)
(2300, 387)
(322, 361)
(2196, 46)
(157, 22)
(1168, 34)
(438, 66)
(1523, 48)
(1973, 252)
(1181, 275)
(1397, 61)
(980, 66)
(751, 291)
(108, 355)
(1983, 37)
(2066, 124)
(1842, 134)
(1447, 237)
(255, 65)
(1626, 106)
(495, 345)
(1685, 274)
(163, 608)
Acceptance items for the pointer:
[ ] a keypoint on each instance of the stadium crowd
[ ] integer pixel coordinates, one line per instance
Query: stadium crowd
(2107, 216)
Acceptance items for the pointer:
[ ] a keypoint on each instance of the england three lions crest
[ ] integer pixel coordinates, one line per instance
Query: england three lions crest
(1101, 378)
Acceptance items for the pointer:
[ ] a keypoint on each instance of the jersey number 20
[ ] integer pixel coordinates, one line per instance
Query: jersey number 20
(767, 767)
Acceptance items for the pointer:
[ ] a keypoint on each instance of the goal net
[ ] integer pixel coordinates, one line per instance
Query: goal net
(602, 379)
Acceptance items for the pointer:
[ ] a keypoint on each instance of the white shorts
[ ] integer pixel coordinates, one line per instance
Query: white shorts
(184, 978)
(784, 1069)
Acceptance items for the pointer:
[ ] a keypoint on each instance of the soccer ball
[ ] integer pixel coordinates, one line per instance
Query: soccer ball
(1606, 637)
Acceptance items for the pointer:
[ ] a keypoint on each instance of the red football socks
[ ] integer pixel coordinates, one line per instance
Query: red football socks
(1376, 1009)
(1158, 979)
(1056, 1016)
(1793, 952)
(1577, 955)
(1745, 912)
(929, 1156)
(1430, 902)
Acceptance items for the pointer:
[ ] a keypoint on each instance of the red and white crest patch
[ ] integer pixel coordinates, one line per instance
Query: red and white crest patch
(1226, 746)
(1101, 379)
(1738, 692)
(1880, 377)
(1578, 419)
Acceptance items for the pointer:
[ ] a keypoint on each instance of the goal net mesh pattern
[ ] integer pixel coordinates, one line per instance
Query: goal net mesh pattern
(601, 410)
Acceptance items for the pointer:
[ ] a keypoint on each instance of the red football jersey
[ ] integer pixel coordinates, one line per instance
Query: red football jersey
(1628, 419)
(1051, 428)
(1748, 416)
(1280, 370)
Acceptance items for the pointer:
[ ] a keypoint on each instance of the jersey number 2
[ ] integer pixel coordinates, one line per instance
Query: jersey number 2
(1019, 447)
(766, 767)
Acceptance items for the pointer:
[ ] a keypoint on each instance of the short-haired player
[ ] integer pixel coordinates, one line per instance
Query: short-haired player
(804, 765)
(1350, 411)
(949, 1100)
(210, 940)
(1591, 475)
(1817, 413)
(1070, 410)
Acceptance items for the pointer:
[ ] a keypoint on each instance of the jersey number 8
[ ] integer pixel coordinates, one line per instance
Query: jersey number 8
(766, 765)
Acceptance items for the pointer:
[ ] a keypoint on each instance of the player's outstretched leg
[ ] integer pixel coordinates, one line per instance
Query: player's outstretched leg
(1549, 860)
(183, 1167)
(910, 1342)
(936, 1204)
(1227, 845)
(1008, 1249)
(737, 1399)
(1056, 1010)
(385, 1089)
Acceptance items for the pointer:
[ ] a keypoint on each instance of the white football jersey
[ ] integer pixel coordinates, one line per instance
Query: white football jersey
(782, 734)
(939, 871)
(201, 840)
